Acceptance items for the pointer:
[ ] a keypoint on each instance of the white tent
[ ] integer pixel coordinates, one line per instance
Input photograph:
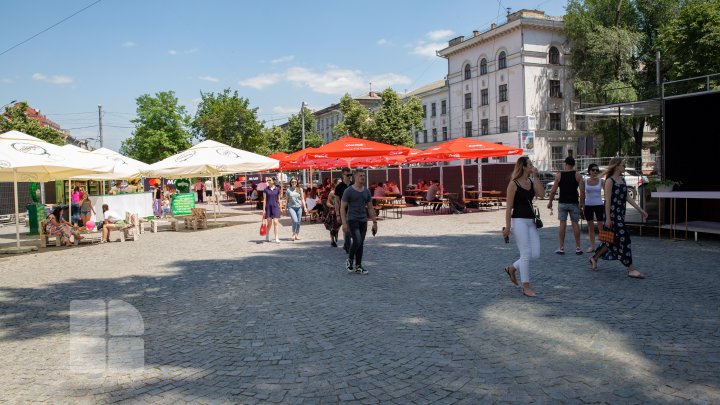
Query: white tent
(210, 159)
(123, 166)
(25, 158)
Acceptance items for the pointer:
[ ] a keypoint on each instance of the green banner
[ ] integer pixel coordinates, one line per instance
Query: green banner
(182, 204)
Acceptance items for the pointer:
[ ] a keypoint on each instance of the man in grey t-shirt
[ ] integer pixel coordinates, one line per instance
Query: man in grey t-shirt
(354, 210)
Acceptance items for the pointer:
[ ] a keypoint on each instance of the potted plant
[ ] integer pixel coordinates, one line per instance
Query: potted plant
(663, 185)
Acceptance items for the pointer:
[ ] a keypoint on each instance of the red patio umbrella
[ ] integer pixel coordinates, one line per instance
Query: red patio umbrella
(350, 147)
(464, 148)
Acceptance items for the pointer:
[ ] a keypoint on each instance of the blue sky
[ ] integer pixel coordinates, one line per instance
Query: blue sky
(276, 54)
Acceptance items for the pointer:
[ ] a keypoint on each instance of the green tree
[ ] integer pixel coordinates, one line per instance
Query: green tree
(227, 118)
(16, 118)
(294, 132)
(394, 121)
(690, 42)
(605, 65)
(160, 128)
(277, 140)
(356, 121)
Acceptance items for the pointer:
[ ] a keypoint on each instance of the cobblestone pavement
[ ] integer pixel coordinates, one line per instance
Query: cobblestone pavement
(230, 319)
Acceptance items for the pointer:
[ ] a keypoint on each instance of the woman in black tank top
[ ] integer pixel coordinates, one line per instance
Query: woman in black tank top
(519, 216)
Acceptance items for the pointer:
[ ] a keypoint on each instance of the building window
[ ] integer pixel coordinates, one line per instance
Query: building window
(483, 66)
(554, 56)
(443, 107)
(555, 88)
(468, 73)
(424, 135)
(502, 93)
(433, 110)
(434, 134)
(468, 100)
(484, 99)
(501, 159)
(417, 136)
(502, 60)
(558, 154)
(503, 124)
(424, 111)
(468, 129)
(554, 122)
(445, 134)
(580, 122)
(484, 126)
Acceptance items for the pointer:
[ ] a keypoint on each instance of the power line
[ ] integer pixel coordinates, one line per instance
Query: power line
(50, 27)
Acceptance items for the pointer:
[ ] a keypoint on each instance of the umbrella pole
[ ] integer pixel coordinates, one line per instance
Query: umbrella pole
(480, 176)
(400, 176)
(17, 213)
(387, 174)
(462, 180)
(214, 196)
(69, 201)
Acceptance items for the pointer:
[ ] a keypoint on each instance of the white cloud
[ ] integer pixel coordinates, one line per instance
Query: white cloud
(6, 81)
(283, 59)
(286, 110)
(428, 49)
(333, 80)
(382, 41)
(128, 44)
(173, 52)
(439, 34)
(209, 79)
(261, 81)
(56, 79)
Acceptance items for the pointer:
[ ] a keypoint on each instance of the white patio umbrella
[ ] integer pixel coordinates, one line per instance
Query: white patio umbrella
(210, 159)
(28, 159)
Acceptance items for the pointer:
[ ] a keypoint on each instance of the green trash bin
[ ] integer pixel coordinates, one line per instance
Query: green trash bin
(36, 213)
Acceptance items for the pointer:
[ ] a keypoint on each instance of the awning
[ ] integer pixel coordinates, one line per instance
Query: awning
(643, 108)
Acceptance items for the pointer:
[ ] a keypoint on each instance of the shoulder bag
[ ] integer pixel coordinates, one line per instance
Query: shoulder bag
(263, 227)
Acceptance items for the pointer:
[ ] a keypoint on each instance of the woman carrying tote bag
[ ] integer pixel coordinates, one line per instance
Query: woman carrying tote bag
(615, 201)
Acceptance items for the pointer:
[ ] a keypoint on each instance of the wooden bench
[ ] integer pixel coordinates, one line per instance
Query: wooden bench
(395, 209)
(434, 206)
(45, 237)
(198, 219)
(173, 222)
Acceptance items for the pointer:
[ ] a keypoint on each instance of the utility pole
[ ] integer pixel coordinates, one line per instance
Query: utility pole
(302, 118)
(100, 122)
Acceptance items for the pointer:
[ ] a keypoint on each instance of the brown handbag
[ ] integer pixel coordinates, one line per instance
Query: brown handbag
(606, 235)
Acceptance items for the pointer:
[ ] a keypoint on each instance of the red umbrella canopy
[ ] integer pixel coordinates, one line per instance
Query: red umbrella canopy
(279, 156)
(349, 147)
(464, 148)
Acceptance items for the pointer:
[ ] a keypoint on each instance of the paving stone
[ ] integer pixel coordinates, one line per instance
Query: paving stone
(230, 320)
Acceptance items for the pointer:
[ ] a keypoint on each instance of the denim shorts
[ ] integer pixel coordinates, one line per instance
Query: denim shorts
(565, 209)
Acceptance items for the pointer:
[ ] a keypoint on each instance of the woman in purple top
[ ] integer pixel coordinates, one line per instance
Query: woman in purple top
(271, 207)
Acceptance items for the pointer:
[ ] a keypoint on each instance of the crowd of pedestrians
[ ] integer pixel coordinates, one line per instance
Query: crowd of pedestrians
(348, 207)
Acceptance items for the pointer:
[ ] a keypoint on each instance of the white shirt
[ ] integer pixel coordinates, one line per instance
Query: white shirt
(208, 185)
(111, 216)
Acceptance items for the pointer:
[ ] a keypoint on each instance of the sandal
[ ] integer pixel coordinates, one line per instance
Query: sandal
(636, 275)
(511, 274)
(593, 263)
(578, 251)
(560, 251)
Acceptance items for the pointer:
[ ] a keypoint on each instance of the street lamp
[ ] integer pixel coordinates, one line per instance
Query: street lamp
(12, 102)
(302, 118)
